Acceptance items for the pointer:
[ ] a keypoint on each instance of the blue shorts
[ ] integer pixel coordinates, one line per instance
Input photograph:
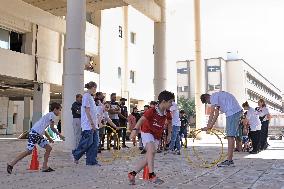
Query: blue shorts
(232, 124)
(35, 138)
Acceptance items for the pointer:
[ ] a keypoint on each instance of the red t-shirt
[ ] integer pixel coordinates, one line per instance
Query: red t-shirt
(155, 122)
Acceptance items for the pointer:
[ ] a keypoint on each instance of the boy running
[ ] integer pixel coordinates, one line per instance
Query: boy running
(152, 123)
(36, 137)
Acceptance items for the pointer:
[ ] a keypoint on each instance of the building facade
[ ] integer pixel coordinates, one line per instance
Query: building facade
(118, 53)
(236, 77)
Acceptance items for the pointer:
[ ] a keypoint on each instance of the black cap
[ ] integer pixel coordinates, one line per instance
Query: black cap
(123, 99)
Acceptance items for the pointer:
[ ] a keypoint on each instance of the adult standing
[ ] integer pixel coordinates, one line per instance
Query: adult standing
(175, 137)
(90, 131)
(123, 115)
(264, 117)
(113, 114)
(226, 103)
(76, 112)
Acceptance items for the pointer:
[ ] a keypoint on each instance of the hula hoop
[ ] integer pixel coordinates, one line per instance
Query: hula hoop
(205, 163)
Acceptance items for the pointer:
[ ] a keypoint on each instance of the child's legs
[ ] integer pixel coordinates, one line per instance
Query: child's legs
(48, 149)
(20, 157)
(34, 138)
(149, 158)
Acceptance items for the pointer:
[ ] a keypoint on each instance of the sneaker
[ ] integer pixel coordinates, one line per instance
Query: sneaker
(143, 151)
(159, 151)
(131, 178)
(178, 152)
(9, 168)
(253, 152)
(154, 179)
(226, 163)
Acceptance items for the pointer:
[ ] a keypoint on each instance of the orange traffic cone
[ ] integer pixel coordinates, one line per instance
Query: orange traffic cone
(146, 173)
(34, 162)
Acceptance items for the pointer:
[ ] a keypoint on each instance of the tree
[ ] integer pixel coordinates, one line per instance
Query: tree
(188, 105)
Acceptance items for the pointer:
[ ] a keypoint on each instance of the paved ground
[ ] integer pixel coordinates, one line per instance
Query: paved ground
(264, 170)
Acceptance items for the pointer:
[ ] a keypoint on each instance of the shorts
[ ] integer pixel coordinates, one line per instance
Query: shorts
(148, 137)
(183, 131)
(35, 138)
(232, 124)
(245, 139)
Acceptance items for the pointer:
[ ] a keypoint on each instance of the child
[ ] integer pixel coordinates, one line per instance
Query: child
(255, 127)
(183, 128)
(152, 123)
(36, 137)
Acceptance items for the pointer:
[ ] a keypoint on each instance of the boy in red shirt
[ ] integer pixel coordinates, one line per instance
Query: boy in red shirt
(152, 123)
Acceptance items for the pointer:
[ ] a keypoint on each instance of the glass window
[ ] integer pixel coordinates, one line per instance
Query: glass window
(4, 39)
(133, 37)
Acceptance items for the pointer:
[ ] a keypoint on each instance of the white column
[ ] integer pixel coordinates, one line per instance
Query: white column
(27, 113)
(199, 67)
(125, 89)
(73, 70)
(41, 100)
(4, 103)
(160, 67)
(11, 129)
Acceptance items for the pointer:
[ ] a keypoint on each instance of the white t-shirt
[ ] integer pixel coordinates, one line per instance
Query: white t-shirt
(253, 118)
(175, 114)
(88, 102)
(105, 116)
(43, 123)
(263, 111)
(227, 103)
(100, 112)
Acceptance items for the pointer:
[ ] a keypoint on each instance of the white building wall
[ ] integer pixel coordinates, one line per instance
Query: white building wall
(111, 51)
(140, 56)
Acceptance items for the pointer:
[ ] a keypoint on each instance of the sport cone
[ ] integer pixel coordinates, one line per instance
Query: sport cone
(146, 173)
(34, 162)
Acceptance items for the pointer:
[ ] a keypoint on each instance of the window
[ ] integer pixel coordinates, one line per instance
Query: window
(133, 37)
(182, 70)
(120, 31)
(4, 39)
(132, 76)
(186, 89)
(179, 89)
(11, 40)
(119, 72)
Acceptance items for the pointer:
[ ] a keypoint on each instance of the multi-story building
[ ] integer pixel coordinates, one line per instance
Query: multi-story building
(235, 76)
(118, 52)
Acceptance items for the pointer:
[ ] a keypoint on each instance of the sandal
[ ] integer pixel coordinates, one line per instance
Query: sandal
(9, 168)
(48, 170)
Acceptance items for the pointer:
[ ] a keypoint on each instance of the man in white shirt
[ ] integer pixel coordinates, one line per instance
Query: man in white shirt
(175, 138)
(226, 103)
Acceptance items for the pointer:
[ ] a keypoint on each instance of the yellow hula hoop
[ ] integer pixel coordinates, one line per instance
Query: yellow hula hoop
(205, 163)
(115, 153)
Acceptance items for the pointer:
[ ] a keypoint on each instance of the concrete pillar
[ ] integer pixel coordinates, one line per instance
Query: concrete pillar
(199, 76)
(97, 21)
(126, 74)
(27, 113)
(160, 67)
(4, 102)
(73, 70)
(11, 129)
(40, 101)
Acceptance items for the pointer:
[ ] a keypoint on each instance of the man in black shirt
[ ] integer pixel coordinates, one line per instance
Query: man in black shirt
(76, 112)
(123, 121)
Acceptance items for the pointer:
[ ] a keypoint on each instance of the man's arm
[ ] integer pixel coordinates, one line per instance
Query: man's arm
(112, 124)
(214, 113)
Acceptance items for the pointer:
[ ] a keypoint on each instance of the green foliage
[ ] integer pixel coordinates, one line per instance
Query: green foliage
(188, 105)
